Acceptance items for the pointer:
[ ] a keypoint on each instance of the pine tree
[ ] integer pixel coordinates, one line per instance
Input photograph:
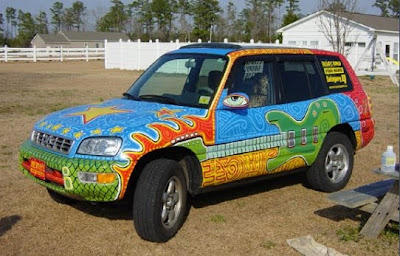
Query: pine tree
(163, 12)
(115, 19)
(144, 16)
(41, 23)
(57, 15)
(394, 8)
(78, 11)
(68, 19)
(184, 11)
(205, 15)
(11, 17)
(26, 28)
(291, 12)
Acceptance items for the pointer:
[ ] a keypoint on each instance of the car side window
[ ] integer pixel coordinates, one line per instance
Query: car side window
(253, 76)
(335, 73)
(300, 79)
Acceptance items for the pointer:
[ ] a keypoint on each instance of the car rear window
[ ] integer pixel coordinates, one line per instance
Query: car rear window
(335, 74)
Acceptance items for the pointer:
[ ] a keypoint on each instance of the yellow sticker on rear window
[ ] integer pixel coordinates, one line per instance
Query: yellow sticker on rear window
(204, 100)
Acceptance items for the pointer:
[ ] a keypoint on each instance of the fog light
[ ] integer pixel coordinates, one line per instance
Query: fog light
(90, 177)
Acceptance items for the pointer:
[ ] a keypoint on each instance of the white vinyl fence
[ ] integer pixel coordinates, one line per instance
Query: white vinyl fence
(140, 55)
(45, 54)
(136, 55)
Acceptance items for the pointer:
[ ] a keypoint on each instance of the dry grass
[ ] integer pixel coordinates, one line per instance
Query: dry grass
(253, 220)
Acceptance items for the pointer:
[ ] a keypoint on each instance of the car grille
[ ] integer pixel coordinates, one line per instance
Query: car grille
(52, 142)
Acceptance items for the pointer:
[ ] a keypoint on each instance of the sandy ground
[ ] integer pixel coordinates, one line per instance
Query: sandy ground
(252, 220)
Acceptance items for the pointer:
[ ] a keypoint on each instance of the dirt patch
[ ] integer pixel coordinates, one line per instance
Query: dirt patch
(251, 220)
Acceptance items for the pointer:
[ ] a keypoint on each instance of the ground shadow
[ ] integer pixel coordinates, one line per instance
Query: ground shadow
(119, 210)
(7, 223)
(122, 210)
(244, 190)
(338, 213)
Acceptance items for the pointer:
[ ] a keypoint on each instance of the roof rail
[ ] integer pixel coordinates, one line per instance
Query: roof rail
(213, 45)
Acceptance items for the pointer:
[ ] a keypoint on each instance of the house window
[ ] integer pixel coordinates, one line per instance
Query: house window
(97, 45)
(304, 42)
(292, 42)
(314, 43)
(85, 44)
(361, 45)
(396, 51)
(349, 44)
(387, 50)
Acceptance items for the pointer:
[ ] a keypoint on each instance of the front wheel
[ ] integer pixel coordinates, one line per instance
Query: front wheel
(160, 201)
(333, 167)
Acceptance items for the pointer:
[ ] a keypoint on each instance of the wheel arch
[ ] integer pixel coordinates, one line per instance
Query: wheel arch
(185, 157)
(348, 131)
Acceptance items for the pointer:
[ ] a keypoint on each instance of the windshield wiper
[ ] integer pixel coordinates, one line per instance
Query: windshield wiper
(159, 98)
(130, 96)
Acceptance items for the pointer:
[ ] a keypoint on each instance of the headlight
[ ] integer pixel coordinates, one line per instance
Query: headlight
(100, 146)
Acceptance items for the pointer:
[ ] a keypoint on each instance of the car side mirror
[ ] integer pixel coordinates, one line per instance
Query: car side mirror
(236, 100)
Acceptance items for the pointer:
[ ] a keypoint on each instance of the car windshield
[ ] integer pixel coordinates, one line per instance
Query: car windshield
(180, 79)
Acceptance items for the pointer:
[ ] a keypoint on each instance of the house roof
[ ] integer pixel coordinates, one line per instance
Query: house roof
(373, 22)
(93, 36)
(51, 38)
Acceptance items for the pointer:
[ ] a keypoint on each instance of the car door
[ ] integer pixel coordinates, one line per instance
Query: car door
(244, 140)
(304, 112)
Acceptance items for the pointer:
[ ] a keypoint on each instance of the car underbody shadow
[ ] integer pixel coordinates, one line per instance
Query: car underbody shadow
(244, 190)
(122, 210)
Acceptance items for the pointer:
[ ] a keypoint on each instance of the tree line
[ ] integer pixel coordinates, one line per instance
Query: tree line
(186, 20)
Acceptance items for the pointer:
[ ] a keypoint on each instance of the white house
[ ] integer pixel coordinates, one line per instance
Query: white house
(362, 30)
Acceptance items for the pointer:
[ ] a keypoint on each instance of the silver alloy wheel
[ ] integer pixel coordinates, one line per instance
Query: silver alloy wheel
(172, 203)
(337, 163)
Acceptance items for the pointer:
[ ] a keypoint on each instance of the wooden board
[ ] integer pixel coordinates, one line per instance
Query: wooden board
(360, 196)
(382, 214)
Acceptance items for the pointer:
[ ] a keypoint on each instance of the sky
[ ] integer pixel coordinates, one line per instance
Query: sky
(34, 6)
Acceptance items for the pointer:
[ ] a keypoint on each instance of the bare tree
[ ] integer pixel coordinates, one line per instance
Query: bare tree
(336, 23)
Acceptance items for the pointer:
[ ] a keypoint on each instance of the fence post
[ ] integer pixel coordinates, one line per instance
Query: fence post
(157, 48)
(225, 40)
(5, 53)
(105, 54)
(120, 53)
(251, 41)
(34, 54)
(177, 43)
(61, 53)
(139, 56)
(199, 40)
(87, 53)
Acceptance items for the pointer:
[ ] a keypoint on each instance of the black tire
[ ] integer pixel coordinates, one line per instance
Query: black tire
(333, 167)
(160, 202)
(61, 199)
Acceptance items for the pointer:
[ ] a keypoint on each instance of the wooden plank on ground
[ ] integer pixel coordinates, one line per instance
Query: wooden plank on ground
(360, 196)
(371, 208)
(382, 214)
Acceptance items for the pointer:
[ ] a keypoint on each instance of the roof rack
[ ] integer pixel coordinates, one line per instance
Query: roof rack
(213, 45)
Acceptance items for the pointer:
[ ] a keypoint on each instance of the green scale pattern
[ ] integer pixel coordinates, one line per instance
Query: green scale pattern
(70, 167)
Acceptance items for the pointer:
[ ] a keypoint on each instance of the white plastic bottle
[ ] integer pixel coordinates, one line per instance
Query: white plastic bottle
(388, 160)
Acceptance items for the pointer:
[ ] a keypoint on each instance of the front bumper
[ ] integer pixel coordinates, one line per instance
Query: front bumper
(62, 174)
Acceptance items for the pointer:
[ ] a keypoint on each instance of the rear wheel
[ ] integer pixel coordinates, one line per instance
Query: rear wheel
(333, 167)
(160, 201)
